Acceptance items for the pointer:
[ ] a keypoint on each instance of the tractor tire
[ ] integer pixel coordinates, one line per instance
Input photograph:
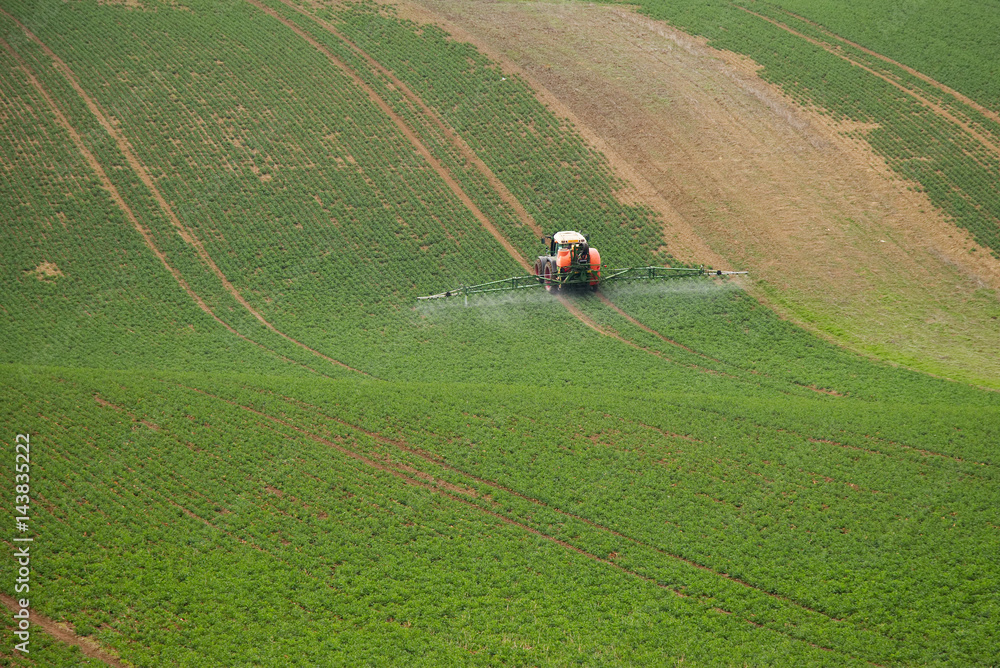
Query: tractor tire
(550, 284)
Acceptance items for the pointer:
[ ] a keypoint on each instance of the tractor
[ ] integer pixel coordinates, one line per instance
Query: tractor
(571, 261)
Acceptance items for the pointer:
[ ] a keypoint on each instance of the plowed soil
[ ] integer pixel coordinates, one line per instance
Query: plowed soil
(745, 178)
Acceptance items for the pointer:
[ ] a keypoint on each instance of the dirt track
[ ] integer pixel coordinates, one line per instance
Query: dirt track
(743, 177)
(63, 633)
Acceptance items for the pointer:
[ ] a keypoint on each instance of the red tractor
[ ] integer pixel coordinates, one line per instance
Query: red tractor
(571, 261)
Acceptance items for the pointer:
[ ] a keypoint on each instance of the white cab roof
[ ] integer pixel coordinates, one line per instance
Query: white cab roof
(568, 237)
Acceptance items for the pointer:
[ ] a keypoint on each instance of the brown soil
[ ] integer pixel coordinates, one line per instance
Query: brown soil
(744, 177)
(63, 633)
(46, 271)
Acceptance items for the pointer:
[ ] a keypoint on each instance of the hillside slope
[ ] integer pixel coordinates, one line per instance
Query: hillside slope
(252, 445)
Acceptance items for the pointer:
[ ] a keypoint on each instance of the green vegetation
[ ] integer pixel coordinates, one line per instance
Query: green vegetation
(297, 465)
(266, 503)
(951, 149)
(952, 42)
(52, 652)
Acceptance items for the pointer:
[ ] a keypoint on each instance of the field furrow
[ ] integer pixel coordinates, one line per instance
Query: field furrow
(143, 173)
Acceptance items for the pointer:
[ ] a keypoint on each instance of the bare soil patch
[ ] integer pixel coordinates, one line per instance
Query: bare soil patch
(46, 271)
(746, 178)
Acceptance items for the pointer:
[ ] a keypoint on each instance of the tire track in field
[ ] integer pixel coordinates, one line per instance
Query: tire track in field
(846, 446)
(87, 646)
(605, 300)
(464, 149)
(108, 185)
(140, 170)
(427, 482)
(937, 109)
(670, 341)
(969, 102)
(416, 482)
(393, 471)
(439, 461)
(190, 489)
(102, 176)
(408, 132)
(610, 333)
(491, 178)
(443, 171)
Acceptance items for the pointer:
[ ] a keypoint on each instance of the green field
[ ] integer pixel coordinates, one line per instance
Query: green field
(252, 445)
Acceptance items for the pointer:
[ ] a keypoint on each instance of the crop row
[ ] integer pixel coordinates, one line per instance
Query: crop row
(544, 162)
(153, 215)
(291, 547)
(101, 302)
(343, 228)
(922, 91)
(268, 501)
(756, 502)
(954, 42)
(782, 506)
(331, 185)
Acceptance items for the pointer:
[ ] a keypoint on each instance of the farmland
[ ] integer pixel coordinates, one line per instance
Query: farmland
(252, 445)
(935, 136)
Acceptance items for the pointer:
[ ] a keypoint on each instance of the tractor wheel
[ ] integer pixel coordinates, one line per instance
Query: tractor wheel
(550, 284)
(538, 269)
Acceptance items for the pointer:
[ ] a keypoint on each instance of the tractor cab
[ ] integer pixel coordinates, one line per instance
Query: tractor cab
(563, 241)
(570, 261)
